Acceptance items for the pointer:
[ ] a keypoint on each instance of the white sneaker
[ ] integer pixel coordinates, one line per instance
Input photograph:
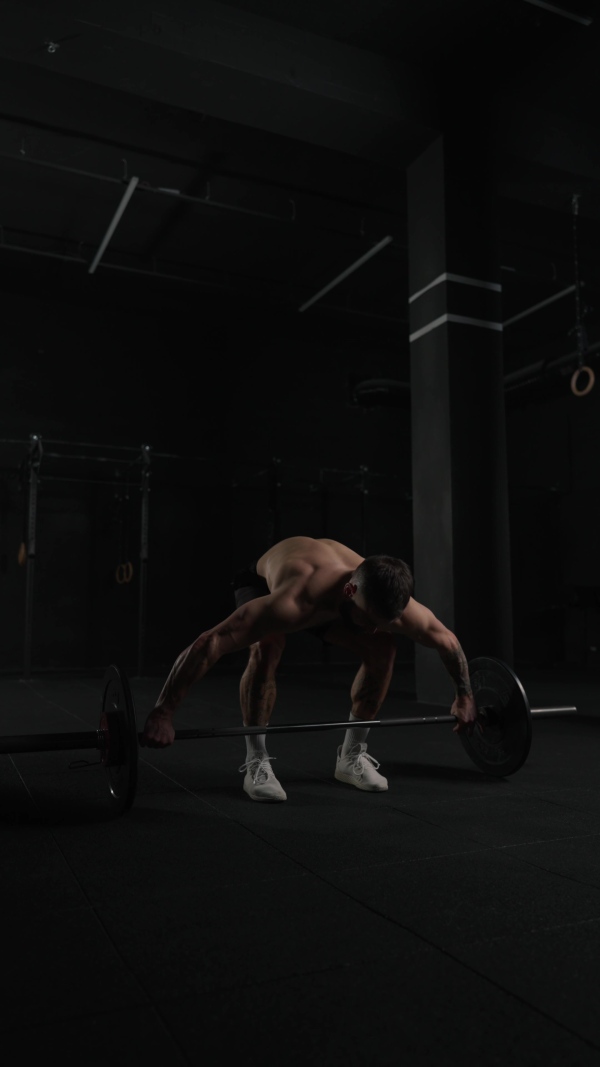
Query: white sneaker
(260, 783)
(360, 769)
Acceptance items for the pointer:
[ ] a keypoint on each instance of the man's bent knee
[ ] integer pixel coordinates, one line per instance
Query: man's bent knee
(266, 653)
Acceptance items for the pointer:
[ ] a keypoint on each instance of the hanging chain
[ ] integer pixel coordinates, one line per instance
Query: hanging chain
(580, 330)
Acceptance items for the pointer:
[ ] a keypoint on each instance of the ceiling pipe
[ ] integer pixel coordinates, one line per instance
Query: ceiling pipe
(206, 201)
(111, 266)
(350, 270)
(583, 20)
(79, 260)
(542, 304)
(160, 190)
(515, 380)
(524, 375)
(38, 251)
(130, 190)
(511, 381)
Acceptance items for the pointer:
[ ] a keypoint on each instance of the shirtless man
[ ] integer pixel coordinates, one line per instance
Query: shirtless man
(359, 604)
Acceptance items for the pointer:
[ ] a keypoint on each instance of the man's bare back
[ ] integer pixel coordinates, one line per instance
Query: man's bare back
(313, 569)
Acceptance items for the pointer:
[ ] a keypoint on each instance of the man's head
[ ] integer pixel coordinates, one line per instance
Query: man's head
(379, 590)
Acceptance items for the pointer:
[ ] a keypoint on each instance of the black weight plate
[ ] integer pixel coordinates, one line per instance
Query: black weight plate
(504, 744)
(119, 739)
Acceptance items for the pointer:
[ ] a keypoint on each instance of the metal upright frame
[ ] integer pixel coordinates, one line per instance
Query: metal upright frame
(144, 550)
(33, 463)
(31, 481)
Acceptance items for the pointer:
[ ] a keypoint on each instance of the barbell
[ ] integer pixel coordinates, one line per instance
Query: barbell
(499, 745)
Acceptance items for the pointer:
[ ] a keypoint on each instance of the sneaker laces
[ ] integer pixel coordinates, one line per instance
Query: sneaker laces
(258, 770)
(355, 758)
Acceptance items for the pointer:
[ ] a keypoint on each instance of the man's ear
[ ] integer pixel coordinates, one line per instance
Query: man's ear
(349, 589)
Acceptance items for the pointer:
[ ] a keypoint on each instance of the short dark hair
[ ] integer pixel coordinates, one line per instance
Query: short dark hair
(385, 583)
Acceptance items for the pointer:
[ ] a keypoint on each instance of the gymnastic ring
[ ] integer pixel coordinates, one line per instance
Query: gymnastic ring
(22, 555)
(124, 573)
(590, 384)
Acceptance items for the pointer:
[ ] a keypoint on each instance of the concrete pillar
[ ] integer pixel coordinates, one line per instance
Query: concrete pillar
(459, 475)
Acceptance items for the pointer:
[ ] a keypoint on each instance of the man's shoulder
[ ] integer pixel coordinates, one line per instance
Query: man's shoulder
(294, 580)
(415, 617)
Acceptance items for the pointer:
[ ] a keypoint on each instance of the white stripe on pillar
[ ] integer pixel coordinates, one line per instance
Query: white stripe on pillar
(454, 318)
(461, 281)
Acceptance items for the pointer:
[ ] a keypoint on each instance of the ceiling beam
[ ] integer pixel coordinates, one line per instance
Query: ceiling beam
(217, 60)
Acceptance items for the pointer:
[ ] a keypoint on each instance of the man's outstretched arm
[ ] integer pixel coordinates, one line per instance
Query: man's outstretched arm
(422, 626)
(247, 624)
(455, 662)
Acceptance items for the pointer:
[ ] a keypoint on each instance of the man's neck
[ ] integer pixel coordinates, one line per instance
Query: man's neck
(334, 595)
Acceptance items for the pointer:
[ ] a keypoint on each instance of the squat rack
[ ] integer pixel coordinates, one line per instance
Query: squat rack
(30, 473)
(39, 450)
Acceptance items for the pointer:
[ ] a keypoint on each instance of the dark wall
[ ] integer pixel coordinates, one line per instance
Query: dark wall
(232, 389)
(555, 523)
(259, 407)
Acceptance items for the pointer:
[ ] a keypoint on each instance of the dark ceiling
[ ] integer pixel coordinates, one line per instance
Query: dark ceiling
(269, 140)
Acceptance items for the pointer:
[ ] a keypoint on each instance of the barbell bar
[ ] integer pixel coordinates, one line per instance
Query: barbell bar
(92, 738)
(310, 727)
(499, 747)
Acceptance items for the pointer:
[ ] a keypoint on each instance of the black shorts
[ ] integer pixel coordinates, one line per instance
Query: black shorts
(248, 585)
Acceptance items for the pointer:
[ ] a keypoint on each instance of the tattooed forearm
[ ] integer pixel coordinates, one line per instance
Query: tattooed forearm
(455, 662)
(188, 668)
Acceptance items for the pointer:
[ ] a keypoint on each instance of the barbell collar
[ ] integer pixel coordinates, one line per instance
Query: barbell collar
(50, 742)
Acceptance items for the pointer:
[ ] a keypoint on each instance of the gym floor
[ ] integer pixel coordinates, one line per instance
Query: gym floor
(453, 919)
